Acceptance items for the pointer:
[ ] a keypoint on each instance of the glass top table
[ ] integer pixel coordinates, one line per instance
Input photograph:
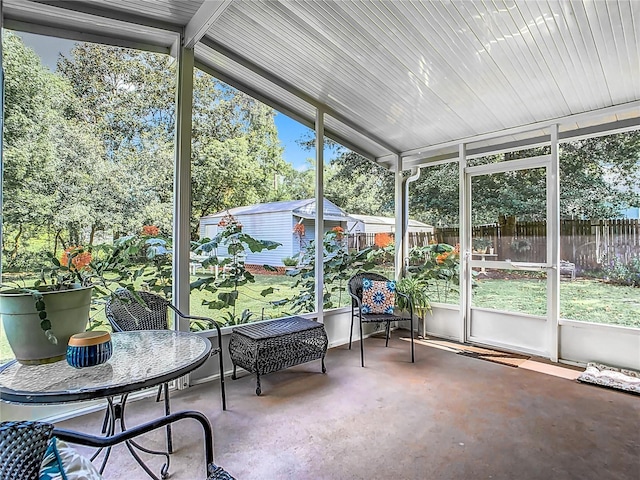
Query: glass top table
(140, 359)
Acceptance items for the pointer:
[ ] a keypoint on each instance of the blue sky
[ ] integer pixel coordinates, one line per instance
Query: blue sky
(289, 131)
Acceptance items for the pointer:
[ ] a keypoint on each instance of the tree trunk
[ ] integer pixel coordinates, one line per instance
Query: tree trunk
(16, 244)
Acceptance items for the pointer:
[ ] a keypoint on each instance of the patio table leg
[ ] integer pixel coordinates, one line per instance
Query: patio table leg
(116, 411)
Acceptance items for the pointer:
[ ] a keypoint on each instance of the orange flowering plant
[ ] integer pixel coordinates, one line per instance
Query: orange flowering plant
(104, 267)
(383, 240)
(339, 231)
(150, 230)
(298, 230)
(438, 265)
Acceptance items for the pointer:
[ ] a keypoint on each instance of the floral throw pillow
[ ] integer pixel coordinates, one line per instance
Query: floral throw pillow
(62, 462)
(378, 296)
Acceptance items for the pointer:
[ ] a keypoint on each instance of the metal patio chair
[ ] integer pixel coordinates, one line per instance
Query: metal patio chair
(355, 291)
(23, 444)
(125, 312)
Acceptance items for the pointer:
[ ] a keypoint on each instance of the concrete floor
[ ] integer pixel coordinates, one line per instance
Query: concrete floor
(445, 417)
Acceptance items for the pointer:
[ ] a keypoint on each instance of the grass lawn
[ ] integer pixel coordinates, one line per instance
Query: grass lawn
(583, 300)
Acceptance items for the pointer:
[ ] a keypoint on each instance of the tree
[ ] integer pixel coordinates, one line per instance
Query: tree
(237, 157)
(352, 182)
(34, 102)
(358, 185)
(129, 96)
(606, 167)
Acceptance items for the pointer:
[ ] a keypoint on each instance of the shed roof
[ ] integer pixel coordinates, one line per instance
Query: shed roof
(414, 78)
(300, 208)
(391, 221)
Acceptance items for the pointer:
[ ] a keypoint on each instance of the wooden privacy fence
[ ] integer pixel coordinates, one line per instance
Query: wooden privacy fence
(360, 241)
(587, 243)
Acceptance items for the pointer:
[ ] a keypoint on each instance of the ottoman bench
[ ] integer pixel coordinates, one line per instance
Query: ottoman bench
(267, 347)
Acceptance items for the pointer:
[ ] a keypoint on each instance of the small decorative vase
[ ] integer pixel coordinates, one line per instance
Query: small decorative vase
(89, 349)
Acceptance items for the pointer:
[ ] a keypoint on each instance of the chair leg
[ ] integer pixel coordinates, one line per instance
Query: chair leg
(351, 330)
(222, 390)
(388, 331)
(105, 421)
(413, 358)
(167, 412)
(361, 346)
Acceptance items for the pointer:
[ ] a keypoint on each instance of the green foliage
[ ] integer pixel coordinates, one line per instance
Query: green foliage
(104, 267)
(360, 186)
(235, 275)
(339, 265)
(246, 316)
(607, 167)
(438, 266)
(352, 182)
(289, 262)
(481, 243)
(620, 273)
(416, 290)
(89, 149)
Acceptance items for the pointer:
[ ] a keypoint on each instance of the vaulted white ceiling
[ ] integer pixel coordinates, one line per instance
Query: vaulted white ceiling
(393, 77)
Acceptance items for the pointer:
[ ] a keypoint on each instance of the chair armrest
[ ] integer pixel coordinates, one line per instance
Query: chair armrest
(102, 442)
(357, 300)
(209, 320)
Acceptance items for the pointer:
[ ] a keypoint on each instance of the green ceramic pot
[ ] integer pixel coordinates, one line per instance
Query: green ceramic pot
(68, 311)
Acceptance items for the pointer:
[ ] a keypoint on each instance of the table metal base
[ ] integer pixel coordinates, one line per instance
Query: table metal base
(114, 418)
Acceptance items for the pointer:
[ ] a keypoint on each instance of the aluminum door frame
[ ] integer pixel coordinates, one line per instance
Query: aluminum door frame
(549, 266)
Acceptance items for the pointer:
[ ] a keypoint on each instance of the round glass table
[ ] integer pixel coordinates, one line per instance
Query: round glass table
(141, 359)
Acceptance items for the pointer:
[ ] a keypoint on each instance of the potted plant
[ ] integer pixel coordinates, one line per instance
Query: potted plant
(39, 320)
(416, 290)
(481, 245)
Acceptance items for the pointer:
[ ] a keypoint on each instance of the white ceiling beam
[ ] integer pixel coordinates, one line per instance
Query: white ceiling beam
(633, 106)
(207, 14)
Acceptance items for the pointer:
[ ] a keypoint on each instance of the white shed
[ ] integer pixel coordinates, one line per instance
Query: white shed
(378, 224)
(275, 221)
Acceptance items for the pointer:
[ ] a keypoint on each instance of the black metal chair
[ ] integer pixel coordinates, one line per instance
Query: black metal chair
(355, 291)
(22, 449)
(125, 312)
(23, 444)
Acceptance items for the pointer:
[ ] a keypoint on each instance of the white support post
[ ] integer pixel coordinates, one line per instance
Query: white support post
(553, 245)
(415, 175)
(319, 233)
(182, 183)
(399, 227)
(465, 244)
(1, 130)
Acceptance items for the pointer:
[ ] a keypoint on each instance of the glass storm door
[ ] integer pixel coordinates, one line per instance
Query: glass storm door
(508, 251)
